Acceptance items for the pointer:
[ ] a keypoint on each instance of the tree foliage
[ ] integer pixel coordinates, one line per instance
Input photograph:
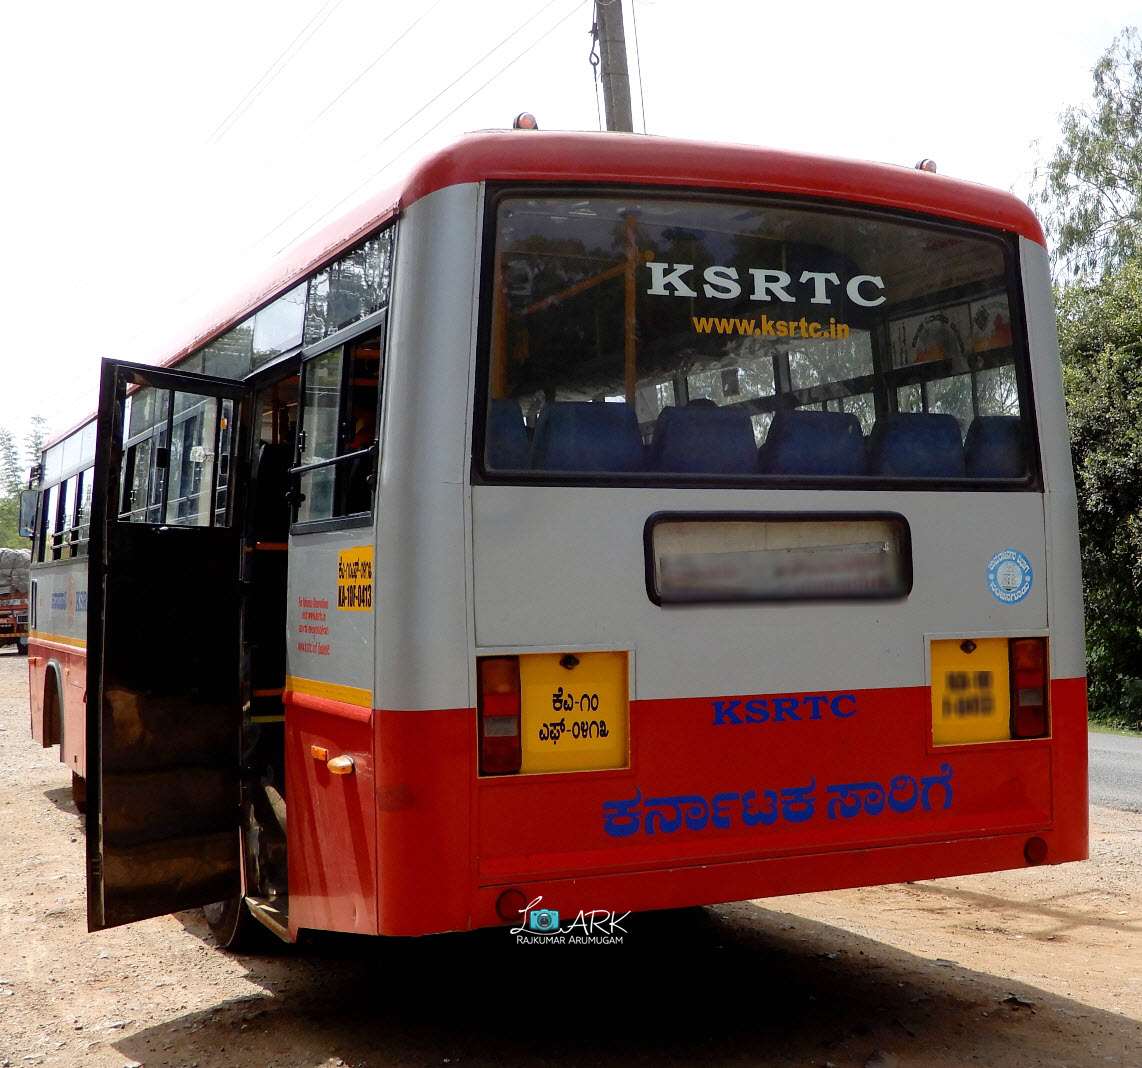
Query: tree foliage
(35, 438)
(1100, 336)
(1088, 193)
(14, 477)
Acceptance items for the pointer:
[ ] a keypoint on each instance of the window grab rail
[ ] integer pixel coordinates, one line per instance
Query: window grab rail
(369, 450)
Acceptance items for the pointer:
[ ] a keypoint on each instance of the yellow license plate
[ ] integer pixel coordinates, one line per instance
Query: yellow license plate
(575, 711)
(971, 697)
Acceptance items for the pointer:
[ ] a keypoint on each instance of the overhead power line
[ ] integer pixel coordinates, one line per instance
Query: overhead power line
(424, 107)
(392, 44)
(440, 122)
(638, 62)
(274, 69)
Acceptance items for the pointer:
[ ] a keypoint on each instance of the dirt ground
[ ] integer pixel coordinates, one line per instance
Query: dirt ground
(1034, 967)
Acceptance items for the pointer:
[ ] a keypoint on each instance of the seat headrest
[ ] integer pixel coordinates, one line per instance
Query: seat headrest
(916, 445)
(996, 447)
(586, 436)
(805, 442)
(704, 439)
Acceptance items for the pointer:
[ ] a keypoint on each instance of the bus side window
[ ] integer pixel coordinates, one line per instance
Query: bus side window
(49, 504)
(83, 513)
(337, 444)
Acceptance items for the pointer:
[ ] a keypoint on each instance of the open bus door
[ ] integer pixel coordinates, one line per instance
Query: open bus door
(164, 690)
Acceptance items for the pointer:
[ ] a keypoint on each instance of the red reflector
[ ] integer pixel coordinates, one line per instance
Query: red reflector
(1028, 654)
(499, 715)
(1029, 723)
(1028, 660)
(1035, 850)
(500, 704)
(510, 905)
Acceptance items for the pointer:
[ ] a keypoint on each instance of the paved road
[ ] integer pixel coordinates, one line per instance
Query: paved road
(1116, 771)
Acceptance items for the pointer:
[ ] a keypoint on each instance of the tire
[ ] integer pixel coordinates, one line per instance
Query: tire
(79, 792)
(235, 929)
(21, 646)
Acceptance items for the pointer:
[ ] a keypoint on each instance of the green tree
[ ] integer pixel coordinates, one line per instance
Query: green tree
(35, 438)
(1100, 336)
(1088, 192)
(12, 475)
(10, 524)
(10, 483)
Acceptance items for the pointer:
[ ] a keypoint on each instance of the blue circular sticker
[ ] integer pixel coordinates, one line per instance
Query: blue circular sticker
(1009, 576)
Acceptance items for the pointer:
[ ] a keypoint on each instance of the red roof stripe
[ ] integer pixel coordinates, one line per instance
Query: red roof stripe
(626, 159)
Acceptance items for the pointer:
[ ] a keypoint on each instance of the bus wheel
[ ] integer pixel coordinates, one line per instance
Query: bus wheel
(21, 646)
(235, 929)
(79, 792)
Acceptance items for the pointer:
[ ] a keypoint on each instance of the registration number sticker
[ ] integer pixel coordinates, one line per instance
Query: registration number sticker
(575, 711)
(970, 697)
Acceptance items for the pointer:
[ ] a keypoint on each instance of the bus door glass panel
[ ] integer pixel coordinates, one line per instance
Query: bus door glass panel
(164, 653)
(194, 446)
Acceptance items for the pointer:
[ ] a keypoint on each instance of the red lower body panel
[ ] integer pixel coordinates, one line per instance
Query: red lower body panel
(65, 667)
(331, 824)
(723, 800)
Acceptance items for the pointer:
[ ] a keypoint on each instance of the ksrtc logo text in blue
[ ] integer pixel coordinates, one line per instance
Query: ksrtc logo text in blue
(739, 710)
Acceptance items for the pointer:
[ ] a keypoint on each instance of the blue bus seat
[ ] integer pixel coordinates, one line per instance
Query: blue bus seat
(704, 439)
(587, 436)
(917, 445)
(508, 448)
(995, 447)
(806, 442)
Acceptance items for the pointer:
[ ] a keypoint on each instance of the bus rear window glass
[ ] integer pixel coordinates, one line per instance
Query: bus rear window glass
(727, 340)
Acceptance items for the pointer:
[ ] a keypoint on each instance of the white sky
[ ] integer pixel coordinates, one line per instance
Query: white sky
(132, 201)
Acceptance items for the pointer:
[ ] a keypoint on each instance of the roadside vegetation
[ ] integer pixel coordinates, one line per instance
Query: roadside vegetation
(1090, 197)
(14, 477)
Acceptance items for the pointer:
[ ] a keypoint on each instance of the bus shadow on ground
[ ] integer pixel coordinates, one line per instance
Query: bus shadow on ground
(1058, 912)
(61, 797)
(735, 983)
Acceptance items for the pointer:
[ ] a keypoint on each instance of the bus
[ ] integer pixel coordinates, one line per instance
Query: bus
(591, 522)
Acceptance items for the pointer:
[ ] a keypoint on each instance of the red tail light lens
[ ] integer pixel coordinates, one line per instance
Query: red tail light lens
(499, 715)
(1029, 682)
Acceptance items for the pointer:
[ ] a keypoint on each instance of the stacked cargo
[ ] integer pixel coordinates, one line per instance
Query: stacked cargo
(14, 581)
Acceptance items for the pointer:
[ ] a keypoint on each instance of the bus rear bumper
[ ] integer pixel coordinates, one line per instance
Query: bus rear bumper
(486, 848)
(706, 884)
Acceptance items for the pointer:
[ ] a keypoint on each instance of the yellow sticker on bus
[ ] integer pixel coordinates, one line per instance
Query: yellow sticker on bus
(355, 579)
(971, 698)
(574, 711)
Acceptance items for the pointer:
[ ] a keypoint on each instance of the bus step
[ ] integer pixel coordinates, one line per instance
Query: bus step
(272, 914)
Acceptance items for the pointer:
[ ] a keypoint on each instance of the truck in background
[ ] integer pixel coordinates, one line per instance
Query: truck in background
(15, 565)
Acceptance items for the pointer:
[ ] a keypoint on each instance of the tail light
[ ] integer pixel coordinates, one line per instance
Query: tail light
(499, 715)
(1028, 662)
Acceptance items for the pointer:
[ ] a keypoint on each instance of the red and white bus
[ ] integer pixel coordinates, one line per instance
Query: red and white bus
(591, 522)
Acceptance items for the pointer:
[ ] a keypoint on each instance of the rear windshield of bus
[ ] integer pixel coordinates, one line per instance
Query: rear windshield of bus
(656, 338)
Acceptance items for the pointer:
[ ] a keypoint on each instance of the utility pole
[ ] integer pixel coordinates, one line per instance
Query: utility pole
(613, 60)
